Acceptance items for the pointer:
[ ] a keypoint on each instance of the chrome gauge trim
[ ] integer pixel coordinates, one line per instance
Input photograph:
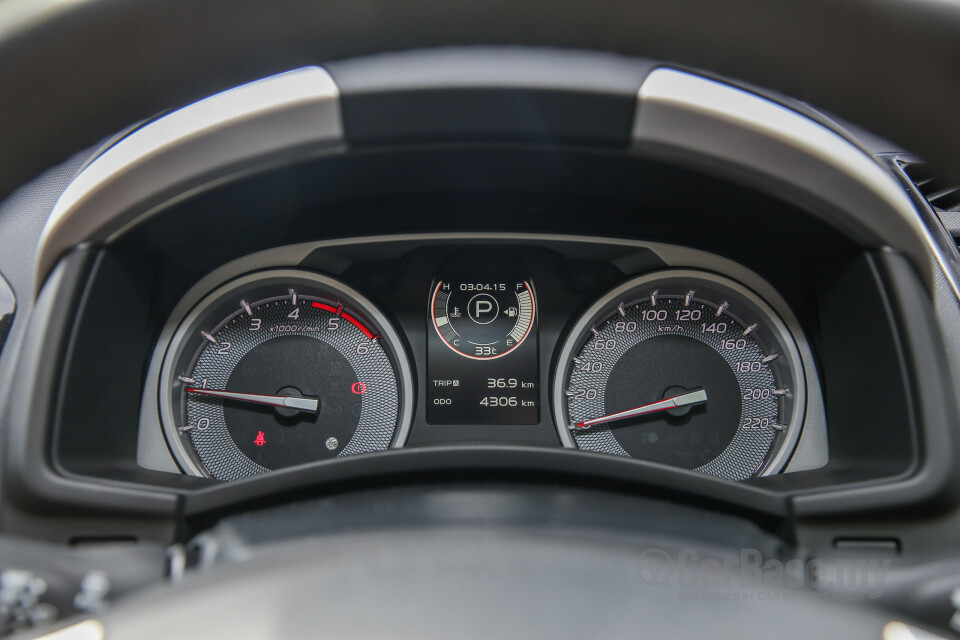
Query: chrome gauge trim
(690, 116)
(200, 299)
(589, 317)
(279, 119)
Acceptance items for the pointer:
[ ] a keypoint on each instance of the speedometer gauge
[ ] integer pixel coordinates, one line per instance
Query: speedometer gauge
(683, 368)
(281, 368)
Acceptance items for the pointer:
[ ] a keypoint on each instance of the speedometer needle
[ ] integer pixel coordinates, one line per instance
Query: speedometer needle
(310, 405)
(683, 400)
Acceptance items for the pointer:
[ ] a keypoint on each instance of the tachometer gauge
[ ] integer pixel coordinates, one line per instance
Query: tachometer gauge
(281, 368)
(684, 368)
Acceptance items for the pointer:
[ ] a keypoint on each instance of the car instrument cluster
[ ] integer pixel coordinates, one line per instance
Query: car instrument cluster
(685, 367)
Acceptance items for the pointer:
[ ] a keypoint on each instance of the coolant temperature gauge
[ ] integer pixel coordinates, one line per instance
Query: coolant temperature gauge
(483, 320)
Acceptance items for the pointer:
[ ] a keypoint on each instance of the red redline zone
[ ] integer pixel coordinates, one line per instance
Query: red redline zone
(346, 316)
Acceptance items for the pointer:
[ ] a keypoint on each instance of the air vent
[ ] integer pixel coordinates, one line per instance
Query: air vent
(943, 196)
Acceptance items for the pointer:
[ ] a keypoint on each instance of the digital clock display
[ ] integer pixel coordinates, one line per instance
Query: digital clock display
(482, 352)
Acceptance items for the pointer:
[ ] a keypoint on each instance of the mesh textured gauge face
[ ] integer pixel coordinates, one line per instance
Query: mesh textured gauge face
(277, 370)
(684, 369)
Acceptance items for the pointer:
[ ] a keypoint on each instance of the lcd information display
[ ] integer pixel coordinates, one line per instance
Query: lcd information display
(482, 352)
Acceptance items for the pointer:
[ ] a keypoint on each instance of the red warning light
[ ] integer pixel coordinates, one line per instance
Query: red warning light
(358, 388)
(261, 440)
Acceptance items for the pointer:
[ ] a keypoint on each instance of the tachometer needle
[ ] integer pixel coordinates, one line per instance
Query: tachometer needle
(683, 400)
(310, 405)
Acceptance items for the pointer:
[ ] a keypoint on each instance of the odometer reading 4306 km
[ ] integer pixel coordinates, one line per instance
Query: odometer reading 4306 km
(483, 352)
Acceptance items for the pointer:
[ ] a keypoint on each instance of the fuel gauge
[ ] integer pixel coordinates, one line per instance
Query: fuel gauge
(483, 320)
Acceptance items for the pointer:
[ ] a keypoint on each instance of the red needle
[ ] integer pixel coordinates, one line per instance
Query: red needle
(683, 400)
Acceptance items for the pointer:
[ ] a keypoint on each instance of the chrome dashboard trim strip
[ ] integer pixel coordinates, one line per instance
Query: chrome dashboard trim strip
(683, 115)
(275, 120)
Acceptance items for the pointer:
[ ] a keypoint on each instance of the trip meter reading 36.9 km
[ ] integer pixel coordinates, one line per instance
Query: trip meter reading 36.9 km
(483, 352)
